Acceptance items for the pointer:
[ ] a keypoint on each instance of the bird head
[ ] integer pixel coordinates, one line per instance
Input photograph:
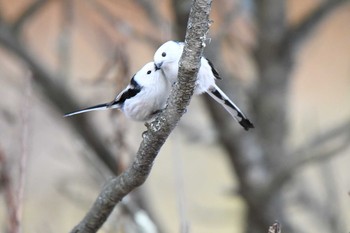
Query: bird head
(147, 75)
(167, 53)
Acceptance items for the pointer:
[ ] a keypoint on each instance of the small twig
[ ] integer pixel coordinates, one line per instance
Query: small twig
(310, 153)
(275, 228)
(180, 187)
(24, 149)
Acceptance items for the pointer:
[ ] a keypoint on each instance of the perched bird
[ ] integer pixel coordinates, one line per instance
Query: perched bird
(167, 59)
(142, 99)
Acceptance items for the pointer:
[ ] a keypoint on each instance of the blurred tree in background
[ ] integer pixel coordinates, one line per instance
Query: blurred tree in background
(286, 63)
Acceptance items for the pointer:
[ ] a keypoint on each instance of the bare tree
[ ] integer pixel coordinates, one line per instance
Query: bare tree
(53, 88)
(261, 158)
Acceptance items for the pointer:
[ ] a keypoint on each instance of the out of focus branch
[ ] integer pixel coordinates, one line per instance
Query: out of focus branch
(295, 36)
(116, 23)
(58, 94)
(55, 91)
(6, 185)
(260, 158)
(228, 19)
(324, 210)
(118, 57)
(1, 11)
(332, 205)
(158, 130)
(153, 12)
(65, 38)
(28, 14)
(317, 150)
(23, 161)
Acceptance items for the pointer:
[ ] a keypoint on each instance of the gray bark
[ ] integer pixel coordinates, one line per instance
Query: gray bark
(160, 128)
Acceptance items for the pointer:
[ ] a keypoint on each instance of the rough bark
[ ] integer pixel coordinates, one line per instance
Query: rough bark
(160, 128)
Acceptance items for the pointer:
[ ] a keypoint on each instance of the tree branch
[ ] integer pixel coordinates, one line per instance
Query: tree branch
(1, 12)
(332, 204)
(153, 13)
(117, 23)
(64, 42)
(160, 128)
(310, 153)
(295, 36)
(58, 94)
(27, 14)
(228, 20)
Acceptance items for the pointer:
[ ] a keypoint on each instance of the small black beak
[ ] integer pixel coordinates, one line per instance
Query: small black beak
(158, 66)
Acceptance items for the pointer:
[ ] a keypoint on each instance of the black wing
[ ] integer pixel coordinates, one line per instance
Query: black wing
(216, 74)
(134, 89)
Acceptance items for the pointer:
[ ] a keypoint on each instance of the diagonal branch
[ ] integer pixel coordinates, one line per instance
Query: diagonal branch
(27, 14)
(58, 94)
(158, 130)
(122, 26)
(318, 150)
(295, 36)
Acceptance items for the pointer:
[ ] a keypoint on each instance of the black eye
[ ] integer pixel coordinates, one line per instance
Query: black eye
(148, 72)
(163, 54)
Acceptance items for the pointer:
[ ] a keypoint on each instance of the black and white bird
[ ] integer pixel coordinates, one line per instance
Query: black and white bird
(142, 99)
(167, 59)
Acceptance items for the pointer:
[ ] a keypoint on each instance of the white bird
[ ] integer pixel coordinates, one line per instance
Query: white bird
(142, 99)
(167, 59)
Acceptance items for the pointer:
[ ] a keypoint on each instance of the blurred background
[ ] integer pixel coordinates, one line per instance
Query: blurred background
(285, 63)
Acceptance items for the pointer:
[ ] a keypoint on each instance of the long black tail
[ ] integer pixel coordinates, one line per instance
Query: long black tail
(93, 108)
(235, 112)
